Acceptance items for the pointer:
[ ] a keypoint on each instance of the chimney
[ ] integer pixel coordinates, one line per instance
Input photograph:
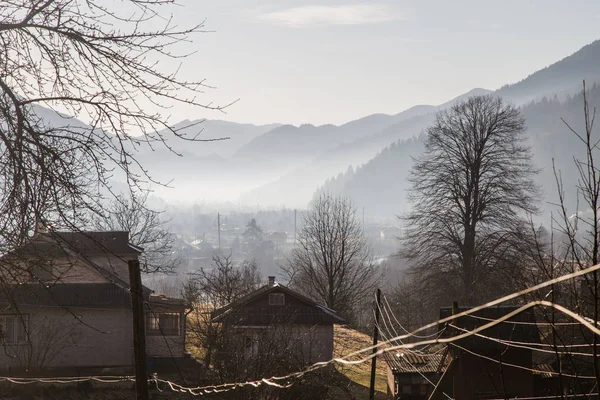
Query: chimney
(271, 280)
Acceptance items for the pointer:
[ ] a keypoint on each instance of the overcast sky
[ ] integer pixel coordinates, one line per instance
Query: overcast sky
(292, 61)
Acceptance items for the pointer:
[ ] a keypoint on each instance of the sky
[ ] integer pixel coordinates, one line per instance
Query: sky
(291, 61)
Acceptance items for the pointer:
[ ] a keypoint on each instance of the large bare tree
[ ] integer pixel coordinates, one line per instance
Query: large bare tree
(332, 261)
(471, 190)
(110, 65)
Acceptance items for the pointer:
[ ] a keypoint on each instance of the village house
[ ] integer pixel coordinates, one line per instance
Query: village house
(68, 306)
(275, 312)
(487, 365)
(481, 366)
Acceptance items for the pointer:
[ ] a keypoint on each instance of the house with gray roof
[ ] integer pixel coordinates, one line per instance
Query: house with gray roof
(65, 305)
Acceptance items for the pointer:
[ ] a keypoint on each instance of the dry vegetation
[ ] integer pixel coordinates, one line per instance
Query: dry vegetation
(348, 340)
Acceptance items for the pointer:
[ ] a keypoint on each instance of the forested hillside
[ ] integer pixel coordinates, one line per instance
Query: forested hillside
(381, 184)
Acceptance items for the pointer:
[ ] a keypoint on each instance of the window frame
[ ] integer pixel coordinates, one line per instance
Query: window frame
(154, 327)
(20, 329)
(273, 296)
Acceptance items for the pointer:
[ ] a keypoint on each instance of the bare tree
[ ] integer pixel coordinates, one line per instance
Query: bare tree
(470, 191)
(578, 243)
(332, 261)
(146, 230)
(208, 290)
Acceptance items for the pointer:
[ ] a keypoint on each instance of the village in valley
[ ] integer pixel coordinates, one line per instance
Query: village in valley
(347, 214)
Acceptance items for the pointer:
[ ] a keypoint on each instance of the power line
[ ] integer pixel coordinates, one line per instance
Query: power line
(538, 371)
(522, 345)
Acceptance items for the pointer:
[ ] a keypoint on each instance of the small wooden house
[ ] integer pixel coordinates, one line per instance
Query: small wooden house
(276, 312)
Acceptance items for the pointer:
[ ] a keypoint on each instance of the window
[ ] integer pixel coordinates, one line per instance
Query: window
(166, 324)
(13, 328)
(276, 299)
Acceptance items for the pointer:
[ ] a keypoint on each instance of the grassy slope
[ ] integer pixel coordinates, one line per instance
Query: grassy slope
(347, 340)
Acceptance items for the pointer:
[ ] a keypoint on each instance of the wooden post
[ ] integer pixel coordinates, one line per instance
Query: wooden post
(139, 332)
(375, 338)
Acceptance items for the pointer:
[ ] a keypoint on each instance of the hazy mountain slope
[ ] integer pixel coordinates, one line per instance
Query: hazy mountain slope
(381, 184)
(562, 76)
(291, 144)
(377, 122)
(295, 189)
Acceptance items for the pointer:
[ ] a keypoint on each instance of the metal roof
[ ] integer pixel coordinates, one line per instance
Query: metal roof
(220, 313)
(407, 362)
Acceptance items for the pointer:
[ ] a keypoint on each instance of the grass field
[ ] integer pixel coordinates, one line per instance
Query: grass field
(345, 341)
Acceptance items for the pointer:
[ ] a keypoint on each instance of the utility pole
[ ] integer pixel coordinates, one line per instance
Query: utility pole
(219, 224)
(139, 333)
(295, 218)
(375, 339)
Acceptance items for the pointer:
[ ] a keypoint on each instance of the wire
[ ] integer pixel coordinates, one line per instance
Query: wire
(402, 327)
(528, 323)
(523, 346)
(521, 366)
(558, 396)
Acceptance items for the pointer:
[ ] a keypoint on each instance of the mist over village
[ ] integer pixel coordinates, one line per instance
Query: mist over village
(290, 200)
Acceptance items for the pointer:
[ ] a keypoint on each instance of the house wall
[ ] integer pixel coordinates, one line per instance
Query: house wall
(76, 271)
(115, 263)
(309, 343)
(100, 338)
(165, 346)
(475, 377)
(391, 382)
(85, 270)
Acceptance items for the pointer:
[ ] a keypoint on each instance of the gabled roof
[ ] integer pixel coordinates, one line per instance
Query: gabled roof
(220, 313)
(89, 242)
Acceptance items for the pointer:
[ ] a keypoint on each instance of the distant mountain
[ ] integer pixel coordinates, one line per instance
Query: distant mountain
(470, 93)
(291, 144)
(561, 78)
(295, 188)
(238, 135)
(376, 122)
